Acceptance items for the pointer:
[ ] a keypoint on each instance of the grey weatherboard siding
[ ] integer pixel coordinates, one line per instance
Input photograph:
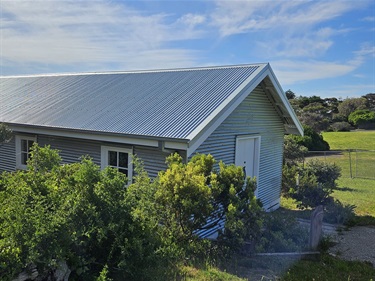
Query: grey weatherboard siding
(71, 151)
(255, 115)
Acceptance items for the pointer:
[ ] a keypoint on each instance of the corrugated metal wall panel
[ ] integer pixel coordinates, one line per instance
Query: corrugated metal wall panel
(153, 159)
(71, 150)
(8, 156)
(255, 115)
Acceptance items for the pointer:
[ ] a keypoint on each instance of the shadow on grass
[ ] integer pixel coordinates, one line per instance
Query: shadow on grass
(259, 268)
(362, 221)
(346, 189)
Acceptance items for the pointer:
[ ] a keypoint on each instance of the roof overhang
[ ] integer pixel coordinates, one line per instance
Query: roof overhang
(273, 89)
(167, 143)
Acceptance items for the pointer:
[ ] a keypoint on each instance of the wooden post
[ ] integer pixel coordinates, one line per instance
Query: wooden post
(316, 227)
(350, 165)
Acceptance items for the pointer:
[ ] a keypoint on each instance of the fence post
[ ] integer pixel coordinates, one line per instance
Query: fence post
(356, 166)
(350, 165)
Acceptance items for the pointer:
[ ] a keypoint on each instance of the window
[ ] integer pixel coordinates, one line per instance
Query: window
(23, 146)
(119, 158)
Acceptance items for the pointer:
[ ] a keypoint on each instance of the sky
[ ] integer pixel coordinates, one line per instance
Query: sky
(324, 48)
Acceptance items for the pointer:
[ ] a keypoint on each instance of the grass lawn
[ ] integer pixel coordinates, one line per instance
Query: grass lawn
(350, 140)
(357, 191)
(330, 268)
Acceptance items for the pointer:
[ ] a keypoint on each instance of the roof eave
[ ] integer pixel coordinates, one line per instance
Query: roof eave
(143, 140)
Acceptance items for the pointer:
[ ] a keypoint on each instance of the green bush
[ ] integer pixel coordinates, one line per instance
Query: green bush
(312, 140)
(282, 233)
(294, 152)
(315, 183)
(340, 127)
(337, 212)
(362, 118)
(106, 230)
(311, 195)
(78, 214)
(324, 172)
(194, 197)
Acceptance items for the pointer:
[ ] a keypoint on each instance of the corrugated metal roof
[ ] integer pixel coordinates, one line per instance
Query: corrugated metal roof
(162, 103)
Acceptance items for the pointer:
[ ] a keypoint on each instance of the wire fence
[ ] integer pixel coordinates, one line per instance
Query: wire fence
(354, 163)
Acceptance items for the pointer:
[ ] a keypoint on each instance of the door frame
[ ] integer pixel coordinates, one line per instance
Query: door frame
(256, 163)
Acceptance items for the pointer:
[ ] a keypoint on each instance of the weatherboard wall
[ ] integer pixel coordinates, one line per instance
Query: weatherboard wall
(254, 116)
(8, 156)
(71, 150)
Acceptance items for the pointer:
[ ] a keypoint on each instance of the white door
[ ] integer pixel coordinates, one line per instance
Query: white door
(247, 155)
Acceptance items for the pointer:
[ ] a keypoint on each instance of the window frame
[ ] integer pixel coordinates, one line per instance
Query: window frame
(104, 161)
(19, 152)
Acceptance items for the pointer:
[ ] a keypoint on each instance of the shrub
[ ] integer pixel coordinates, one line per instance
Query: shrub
(294, 152)
(78, 214)
(315, 183)
(325, 173)
(282, 233)
(311, 195)
(312, 140)
(362, 118)
(337, 212)
(195, 197)
(340, 127)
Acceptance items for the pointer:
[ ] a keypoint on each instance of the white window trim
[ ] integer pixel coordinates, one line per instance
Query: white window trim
(104, 158)
(19, 138)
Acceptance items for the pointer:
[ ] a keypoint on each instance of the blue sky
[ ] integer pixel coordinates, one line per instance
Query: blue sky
(324, 48)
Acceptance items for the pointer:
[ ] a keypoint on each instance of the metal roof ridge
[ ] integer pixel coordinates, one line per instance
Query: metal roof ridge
(135, 71)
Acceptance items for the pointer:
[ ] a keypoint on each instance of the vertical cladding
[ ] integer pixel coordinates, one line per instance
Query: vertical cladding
(8, 156)
(71, 150)
(255, 115)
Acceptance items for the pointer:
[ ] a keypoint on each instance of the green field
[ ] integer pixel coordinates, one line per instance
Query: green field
(350, 140)
(357, 191)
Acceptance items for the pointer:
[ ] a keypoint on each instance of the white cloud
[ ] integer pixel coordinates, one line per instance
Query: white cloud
(291, 72)
(192, 19)
(297, 71)
(284, 29)
(369, 19)
(234, 17)
(92, 32)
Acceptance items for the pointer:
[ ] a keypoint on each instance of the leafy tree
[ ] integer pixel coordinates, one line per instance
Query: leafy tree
(362, 118)
(332, 104)
(370, 97)
(290, 95)
(5, 134)
(350, 105)
(314, 120)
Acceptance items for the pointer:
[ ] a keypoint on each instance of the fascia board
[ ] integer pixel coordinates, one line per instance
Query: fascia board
(84, 135)
(204, 130)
